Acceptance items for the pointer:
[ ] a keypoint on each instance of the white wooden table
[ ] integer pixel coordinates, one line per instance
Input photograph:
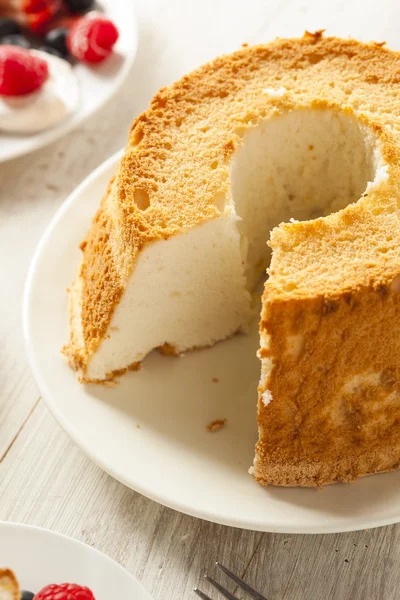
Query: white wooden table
(45, 479)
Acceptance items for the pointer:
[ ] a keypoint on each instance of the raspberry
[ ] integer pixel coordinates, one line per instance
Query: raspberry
(92, 38)
(21, 72)
(35, 6)
(65, 591)
(39, 13)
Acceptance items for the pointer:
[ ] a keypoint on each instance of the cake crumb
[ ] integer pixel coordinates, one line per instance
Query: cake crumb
(137, 426)
(215, 379)
(217, 424)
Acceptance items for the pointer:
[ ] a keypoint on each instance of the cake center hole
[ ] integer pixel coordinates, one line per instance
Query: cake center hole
(302, 165)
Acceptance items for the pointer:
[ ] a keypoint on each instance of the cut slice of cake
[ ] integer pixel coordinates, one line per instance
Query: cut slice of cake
(299, 131)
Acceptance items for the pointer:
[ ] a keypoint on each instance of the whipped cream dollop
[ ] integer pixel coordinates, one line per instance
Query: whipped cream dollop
(52, 103)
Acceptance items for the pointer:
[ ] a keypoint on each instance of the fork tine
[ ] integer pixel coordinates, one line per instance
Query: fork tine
(221, 589)
(201, 594)
(241, 583)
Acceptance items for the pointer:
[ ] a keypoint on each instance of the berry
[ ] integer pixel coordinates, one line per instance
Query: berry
(27, 595)
(79, 6)
(37, 6)
(39, 13)
(15, 39)
(92, 38)
(65, 591)
(8, 27)
(38, 21)
(21, 72)
(57, 39)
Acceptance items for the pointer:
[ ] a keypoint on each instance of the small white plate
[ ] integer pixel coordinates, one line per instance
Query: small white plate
(96, 83)
(150, 430)
(39, 557)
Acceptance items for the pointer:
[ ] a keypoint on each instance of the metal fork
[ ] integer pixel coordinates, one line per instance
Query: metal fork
(224, 592)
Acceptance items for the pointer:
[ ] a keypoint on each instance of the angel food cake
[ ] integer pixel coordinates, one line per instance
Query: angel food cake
(300, 138)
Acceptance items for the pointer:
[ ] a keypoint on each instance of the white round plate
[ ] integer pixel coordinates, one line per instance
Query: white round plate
(150, 430)
(96, 83)
(39, 557)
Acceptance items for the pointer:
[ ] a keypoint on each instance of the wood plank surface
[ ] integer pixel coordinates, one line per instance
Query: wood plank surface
(45, 479)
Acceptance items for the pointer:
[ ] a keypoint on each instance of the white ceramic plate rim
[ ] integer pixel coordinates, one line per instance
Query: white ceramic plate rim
(359, 522)
(72, 541)
(53, 134)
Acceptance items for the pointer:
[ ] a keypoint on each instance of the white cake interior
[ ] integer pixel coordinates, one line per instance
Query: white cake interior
(187, 291)
(194, 289)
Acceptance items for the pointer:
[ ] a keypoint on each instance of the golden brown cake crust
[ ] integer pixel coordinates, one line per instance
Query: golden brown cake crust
(335, 408)
(184, 141)
(9, 587)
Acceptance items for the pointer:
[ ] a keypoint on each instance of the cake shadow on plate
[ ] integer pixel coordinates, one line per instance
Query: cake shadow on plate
(178, 397)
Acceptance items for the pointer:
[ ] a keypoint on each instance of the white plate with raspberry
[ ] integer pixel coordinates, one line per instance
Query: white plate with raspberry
(38, 558)
(69, 95)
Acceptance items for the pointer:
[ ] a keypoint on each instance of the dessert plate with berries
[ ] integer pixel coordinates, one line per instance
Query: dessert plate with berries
(60, 61)
(43, 565)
